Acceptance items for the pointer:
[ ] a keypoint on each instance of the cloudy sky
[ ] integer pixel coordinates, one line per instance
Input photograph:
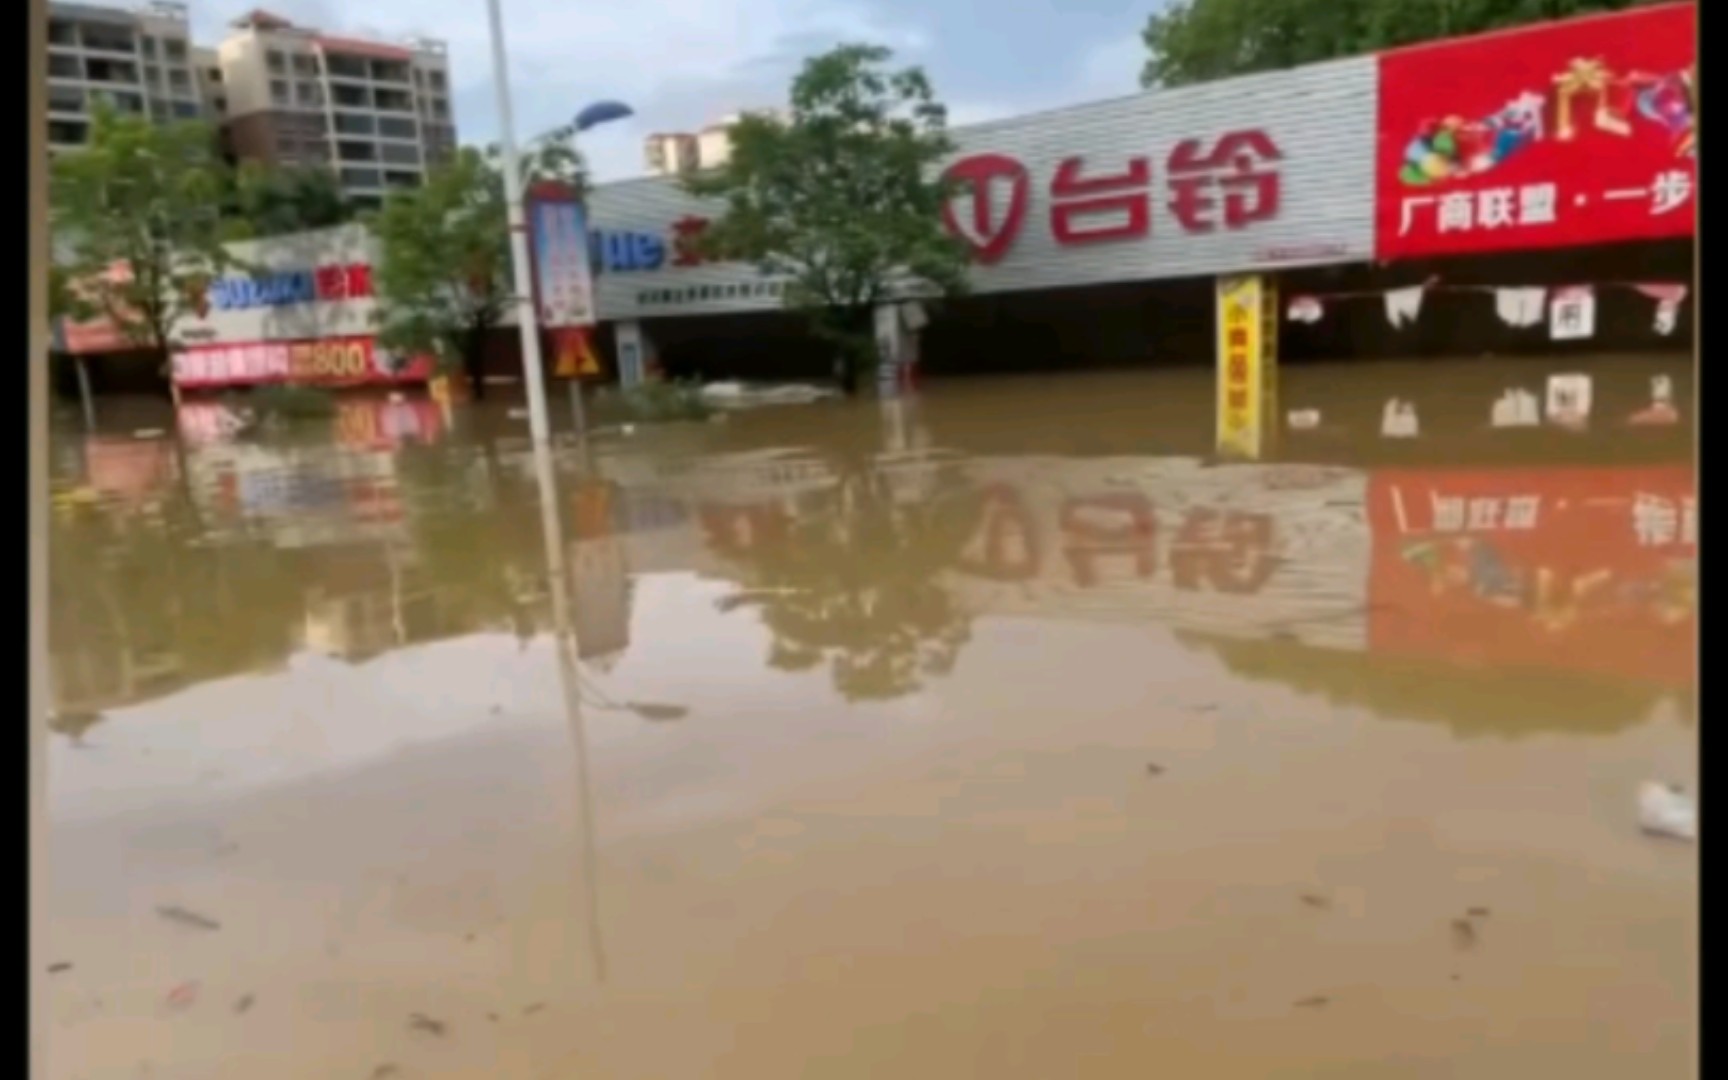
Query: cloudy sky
(684, 63)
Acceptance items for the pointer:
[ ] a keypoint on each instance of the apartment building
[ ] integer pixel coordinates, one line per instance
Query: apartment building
(668, 154)
(139, 60)
(676, 152)
(377, 113)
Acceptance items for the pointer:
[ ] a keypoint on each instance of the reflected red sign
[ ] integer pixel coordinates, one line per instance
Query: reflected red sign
(1562, 133)
(1585, 570)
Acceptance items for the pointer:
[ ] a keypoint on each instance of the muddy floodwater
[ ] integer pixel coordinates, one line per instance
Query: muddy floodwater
(1000, 732)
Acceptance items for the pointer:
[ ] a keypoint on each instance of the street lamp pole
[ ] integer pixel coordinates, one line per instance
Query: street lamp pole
(527, 318)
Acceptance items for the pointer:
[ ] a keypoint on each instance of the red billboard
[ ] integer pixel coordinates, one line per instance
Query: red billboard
(1584, 570)
(332, 361)
(1559, 134)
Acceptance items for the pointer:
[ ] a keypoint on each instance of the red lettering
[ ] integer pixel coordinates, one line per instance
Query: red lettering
(1123, 194)
(331, 282)
(1238, 368)
(1005, 519)
(1237, 399)
(1250, 194)
(1132, 534)
(687, 234)
(1231, 551)
(357, 279)
(1237, 338)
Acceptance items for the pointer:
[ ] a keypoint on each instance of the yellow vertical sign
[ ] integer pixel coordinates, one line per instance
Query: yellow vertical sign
(1242, 384)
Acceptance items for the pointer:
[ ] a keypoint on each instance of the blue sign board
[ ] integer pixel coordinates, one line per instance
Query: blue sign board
(264, 290)
(620, 251)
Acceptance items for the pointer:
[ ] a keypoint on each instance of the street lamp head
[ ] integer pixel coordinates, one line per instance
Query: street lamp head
(602, 112)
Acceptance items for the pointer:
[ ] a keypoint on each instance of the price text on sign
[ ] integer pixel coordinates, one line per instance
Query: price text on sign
(1240, 356)
(326, 361)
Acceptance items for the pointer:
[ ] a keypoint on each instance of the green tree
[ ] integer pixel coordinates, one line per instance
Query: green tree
(443, 277)
(136, 224)
(1192, 41)
(267, 201)
(842, 197)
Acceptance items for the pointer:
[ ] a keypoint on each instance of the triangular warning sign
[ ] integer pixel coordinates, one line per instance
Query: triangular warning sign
(575, 354)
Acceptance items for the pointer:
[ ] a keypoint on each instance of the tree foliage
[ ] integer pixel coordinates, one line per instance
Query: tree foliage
(137, 226)
(443, 277)
(266, 201)
(842, 196)
(1193, 41)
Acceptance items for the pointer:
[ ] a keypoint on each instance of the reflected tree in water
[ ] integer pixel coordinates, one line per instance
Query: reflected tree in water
(855, 579)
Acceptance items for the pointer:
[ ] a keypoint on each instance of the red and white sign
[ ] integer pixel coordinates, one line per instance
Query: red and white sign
(1557, 134)
(345, 361)
(1228, 182)
(1571, 569)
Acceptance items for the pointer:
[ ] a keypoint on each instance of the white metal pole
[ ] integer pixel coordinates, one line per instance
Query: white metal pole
(533, 369)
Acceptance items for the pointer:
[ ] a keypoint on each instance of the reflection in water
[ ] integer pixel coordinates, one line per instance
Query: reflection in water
(862, 705)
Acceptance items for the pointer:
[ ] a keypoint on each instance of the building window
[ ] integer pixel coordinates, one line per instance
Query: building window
(345, 67)
(65, 99)
(435, 80)
(305, 64)
(440, 108)
(147, 46)
(179, 81)
(353, 97)
(389, 71)
(393, 101)
(275, 61)
(399, 180)
(310, 94)
(110, 71)
(64, 67)
(219, 103)
(213, 75)
(399, 153)
(174, 50)
(186, 110)
(61, 32)
(279, 92)
(392, 127)
(67, 132)
(353, 123)
(109, 39)
(348, 150)
(362, 178)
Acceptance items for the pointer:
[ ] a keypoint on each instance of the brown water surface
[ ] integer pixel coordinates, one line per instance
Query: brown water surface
(1001, 733)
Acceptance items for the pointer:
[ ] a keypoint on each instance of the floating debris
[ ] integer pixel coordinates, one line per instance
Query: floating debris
(58, 966)
(1315, 900)
(534, 1008)
(422, 1022)
(1318, 1001)
(492, 1017)
(385, 1070)
(1665, 810)
(1479, 912)
(184, 917)
(1463, 933)
(182, 996)
(1154, 769)
(244, 1003)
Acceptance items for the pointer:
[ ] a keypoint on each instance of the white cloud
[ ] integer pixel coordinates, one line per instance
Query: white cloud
(678, 63)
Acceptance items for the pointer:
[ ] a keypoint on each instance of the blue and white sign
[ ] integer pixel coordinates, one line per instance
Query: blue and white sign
(559, 231)
(618, 251)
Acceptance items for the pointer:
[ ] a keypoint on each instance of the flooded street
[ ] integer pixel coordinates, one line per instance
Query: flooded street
(999, 732)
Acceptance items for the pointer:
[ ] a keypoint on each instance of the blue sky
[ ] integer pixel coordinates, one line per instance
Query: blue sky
(683, 63)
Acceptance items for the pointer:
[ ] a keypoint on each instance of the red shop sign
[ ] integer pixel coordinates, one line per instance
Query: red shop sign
(1231, 182)
(335, 361)
(1585, 570)
(1560, 134)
